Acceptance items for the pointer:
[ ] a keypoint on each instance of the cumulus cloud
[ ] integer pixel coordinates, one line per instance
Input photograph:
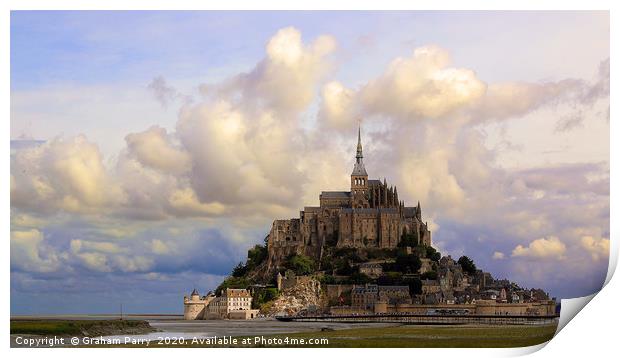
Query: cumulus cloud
(513, 99)
(107, 247)
(228, 155)
(550, 247)
(138, 263)
(154, 148)
(108, 257)
(422, 86)
(184, 202)
(159, 247)
(597, 247)
(65, 174)
(28, 252)
(245, 159)
(497, 255)
(285, 80)
(337, 106)
(95, 261)
(427, 176)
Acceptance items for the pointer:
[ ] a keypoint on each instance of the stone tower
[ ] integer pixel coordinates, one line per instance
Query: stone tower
(193, 306)
(279, 281)
(359, 177)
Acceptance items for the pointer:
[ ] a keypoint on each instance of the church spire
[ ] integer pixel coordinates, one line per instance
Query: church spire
(358, 168)
(359, 155)
(418, 211)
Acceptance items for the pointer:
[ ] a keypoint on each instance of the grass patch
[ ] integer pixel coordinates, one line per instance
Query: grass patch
(78, 327)
(437, 336)
(409, 336)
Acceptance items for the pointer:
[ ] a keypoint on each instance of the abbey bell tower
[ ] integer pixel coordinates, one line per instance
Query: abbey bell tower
(359, 177)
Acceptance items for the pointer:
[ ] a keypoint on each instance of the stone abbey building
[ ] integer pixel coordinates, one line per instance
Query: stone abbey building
(370, 215)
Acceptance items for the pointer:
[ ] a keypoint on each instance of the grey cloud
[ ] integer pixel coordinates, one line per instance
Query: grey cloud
(164, 93)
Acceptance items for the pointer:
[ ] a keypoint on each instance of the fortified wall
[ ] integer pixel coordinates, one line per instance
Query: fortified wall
(481, 307)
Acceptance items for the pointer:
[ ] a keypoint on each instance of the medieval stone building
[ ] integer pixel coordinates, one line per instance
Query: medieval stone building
(370, 215)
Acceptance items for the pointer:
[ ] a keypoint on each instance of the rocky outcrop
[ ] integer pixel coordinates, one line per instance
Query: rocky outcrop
(305, 295)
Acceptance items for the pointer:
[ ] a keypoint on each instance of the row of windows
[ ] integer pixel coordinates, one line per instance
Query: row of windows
(234, 303)
(359, 181)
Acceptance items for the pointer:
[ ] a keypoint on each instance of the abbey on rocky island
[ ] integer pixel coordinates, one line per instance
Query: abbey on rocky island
(370, 215)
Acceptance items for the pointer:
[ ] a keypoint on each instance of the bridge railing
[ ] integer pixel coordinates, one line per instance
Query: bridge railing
(429, 319)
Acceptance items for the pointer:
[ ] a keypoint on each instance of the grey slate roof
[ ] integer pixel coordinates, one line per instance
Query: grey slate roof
(409, 211)
(336, 194)
(370, 210)
(394, 288)
(360, 210)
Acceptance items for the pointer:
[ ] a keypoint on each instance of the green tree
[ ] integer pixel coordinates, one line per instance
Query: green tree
(344, 268)
(359, 278)
(256, 256)
(390, 278)
(327, 280)
(467, 264)
(432, 254)
(327, 264)
(263, 296)
(232, 282)
(374, 254)
(407, 263)
(408, 240)
(240, 270)
(415, 285)
(300, 264)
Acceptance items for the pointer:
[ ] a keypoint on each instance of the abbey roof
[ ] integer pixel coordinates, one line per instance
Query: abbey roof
(336, 194)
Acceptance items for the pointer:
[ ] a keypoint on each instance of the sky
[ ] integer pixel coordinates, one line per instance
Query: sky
(150, 150)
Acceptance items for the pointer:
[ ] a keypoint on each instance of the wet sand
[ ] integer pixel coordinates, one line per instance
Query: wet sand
(251, 327)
